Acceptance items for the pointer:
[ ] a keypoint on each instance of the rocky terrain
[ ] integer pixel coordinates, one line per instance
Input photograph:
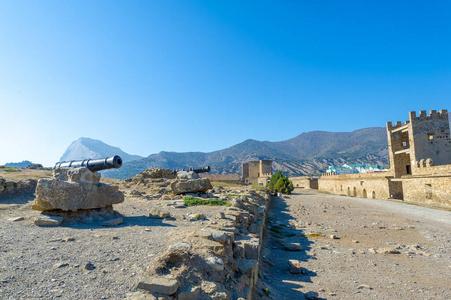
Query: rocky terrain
(139, 249)
(355, 249)
(154, 245)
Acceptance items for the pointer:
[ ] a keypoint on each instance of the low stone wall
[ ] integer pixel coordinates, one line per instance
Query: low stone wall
(218, 261)
(10, 187)
(304, 182)
(435, 190)
(365, 185)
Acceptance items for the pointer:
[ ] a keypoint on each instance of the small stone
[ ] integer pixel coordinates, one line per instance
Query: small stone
(158, 214)
(295, 266)
(216, 263)
(54, 240)
(220, 215)
(388, 251)
(311, 295)
(364, 286)
(68, 239)
(292, 246)
(209, 287)
(323, 247)
(59, 265)
(147, 229)
(333, 236)
(44, 220)
(115, 237)
(355, 241)
(16, 219)
(160, 285)
(372, 250)
(89, 266)
(219, 296)
(196, 217)
(113, 222)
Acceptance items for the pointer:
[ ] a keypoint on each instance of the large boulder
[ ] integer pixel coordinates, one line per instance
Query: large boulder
(183, 186)
(75, 189)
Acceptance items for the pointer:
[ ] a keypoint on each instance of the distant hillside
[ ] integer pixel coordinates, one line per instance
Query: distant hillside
(307, 153)
(85, 148)
(22, 164)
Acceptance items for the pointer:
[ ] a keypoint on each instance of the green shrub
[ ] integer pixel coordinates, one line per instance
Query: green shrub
(193, 201)
(280, 183)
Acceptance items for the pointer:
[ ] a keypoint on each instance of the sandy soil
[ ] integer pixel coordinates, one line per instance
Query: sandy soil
(356, 265)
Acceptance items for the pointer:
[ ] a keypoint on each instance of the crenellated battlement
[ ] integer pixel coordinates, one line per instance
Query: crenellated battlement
(433, 114)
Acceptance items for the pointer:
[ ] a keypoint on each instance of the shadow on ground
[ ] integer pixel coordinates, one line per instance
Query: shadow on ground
(276, 281)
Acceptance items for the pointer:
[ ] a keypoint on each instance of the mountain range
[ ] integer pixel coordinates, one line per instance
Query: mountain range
(306, 154)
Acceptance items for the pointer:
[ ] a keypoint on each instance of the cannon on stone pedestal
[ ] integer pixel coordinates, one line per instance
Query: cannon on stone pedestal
(195, 170)
(92, 165)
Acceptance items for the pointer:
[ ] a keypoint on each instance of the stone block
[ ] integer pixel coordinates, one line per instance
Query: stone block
(44, 220)
(160, 285)
(184, 186)
(292, 246)
(112, 222)
(158, 214)
(72, 195)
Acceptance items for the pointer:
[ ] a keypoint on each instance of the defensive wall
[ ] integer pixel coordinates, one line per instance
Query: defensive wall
(430, 185)
(305, 182)
(379, 185)
(420, 164)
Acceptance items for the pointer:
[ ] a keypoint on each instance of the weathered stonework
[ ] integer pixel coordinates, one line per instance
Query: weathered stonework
(305, 182)
(257, 172)
(74, 189)
(420, 164)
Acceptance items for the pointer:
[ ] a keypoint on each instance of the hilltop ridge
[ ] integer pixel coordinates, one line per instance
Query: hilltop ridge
(306, 154)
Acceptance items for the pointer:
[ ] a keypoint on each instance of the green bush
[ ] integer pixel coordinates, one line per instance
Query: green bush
(280, 183)
(193, 201)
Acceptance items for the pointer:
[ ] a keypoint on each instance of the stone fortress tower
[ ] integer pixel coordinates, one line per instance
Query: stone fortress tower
(257, 172)
(422, 141)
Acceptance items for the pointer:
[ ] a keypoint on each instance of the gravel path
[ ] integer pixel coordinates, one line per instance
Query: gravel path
(356, 249)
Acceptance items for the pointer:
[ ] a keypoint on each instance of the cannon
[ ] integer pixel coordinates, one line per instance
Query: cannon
(92, 165)
(195, 170)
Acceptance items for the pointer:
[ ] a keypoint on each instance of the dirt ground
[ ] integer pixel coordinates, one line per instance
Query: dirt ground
(356, 249)
(51, 262)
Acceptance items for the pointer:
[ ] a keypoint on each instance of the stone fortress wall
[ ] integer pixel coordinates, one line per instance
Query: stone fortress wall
(305, 182)
(420, 164)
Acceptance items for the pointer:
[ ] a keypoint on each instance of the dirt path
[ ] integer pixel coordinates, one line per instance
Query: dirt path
(381, 249)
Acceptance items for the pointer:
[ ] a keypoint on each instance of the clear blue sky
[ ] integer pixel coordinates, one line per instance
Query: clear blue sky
(150, 76)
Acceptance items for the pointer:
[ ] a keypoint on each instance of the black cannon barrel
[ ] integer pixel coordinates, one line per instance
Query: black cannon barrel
(93, 164)
(195, 170)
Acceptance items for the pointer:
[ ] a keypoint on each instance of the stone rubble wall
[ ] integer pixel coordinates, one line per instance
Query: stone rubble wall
(218, 261)
(11, 187)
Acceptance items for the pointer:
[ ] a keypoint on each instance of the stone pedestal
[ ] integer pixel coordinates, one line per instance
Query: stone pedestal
(74, 189)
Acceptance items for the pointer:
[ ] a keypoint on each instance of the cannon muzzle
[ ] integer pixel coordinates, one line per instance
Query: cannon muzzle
(93, 165)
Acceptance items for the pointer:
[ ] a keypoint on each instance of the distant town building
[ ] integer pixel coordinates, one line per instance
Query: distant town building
(354, 169)
(257, 172)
